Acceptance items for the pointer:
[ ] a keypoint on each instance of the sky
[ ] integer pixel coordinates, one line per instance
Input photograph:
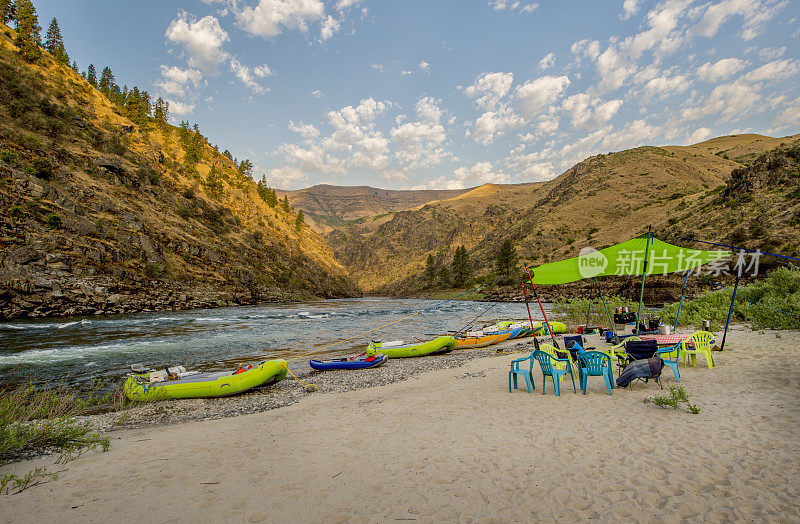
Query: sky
(446, 94)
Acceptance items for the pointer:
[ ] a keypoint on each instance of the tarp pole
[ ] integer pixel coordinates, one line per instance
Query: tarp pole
(740, 263)
(530, 318)
(685, 281)
(610, 321)
(644, 272)
(533, 286)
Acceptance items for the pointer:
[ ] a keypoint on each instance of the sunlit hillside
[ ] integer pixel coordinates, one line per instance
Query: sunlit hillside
(101, 214)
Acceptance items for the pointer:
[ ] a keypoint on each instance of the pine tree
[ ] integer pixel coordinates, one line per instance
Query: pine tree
(161, 112)
(298, 223)
(54, 43)
(91, 75)
(507, 258)
(29, 37)
(7, 11)
(445, 278)
(75, 66)
(285, 204)
(430, 270)
(106, 84)
(213, 182)
(461, 267)
(246, 167)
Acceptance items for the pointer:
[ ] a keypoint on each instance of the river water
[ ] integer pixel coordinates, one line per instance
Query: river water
(82, 350)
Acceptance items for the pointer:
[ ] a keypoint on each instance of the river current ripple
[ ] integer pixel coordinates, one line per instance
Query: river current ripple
(81, 350)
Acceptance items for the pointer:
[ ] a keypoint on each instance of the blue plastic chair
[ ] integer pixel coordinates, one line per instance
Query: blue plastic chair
(550, 368)
(527, 374)
(673, 351)
(595, 364)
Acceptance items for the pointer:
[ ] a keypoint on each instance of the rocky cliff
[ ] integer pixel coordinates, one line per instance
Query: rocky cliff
(102, 215)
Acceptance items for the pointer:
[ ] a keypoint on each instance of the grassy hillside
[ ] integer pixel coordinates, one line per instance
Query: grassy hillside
(101, 215)
(601, 201)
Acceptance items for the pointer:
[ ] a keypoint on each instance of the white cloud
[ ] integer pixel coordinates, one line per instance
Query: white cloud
(772, 71)
(788, 117)
(490, 88)
(344, 4)
(175, 80)
(588, 112)
(425, 66)
(178, 108)
(394, 175)
(629, 8)
(328, 27)
(635, 134)
(243, 73)
(287, 178)
(262, 71)
(720, 70)
(754, 12)
(307, 131)
(534, 166)
(203, 40)
(316, 94)
(771, 53)
(480, 173)
(547, 62)
(378, 67)
(493, 124)
(699, 135)
(728, 101)
(270, 17)
(665, 86)
(513, 5)
(419, 144)
(536, 95)
(587, 48)
(406, 73)
(428, 109)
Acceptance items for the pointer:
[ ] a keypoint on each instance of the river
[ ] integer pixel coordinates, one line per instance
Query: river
(78, 351)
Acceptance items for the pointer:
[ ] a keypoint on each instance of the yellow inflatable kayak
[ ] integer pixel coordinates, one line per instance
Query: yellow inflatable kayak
(204, 385)
(479, 340)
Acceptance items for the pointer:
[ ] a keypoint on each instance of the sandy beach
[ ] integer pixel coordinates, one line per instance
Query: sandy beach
(454, 445)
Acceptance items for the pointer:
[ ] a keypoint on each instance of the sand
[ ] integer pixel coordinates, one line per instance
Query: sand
(454, 445)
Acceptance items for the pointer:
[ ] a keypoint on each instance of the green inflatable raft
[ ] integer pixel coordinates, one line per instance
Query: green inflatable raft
(204, 385)
(539, 328)
(400, 350)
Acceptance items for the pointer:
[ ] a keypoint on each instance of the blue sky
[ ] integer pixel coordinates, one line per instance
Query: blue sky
(447, 93)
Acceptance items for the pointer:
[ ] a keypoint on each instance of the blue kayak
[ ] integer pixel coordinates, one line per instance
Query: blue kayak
(359, 362)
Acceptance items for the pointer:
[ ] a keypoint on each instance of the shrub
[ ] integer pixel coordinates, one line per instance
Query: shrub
(755, 303)
(8, 157)
(40, 168)
(37, 419)
(53, 221)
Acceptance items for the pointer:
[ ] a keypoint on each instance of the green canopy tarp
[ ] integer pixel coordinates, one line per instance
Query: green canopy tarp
(625, 258)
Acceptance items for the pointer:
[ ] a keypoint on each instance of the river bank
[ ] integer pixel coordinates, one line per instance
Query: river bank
(450, 444)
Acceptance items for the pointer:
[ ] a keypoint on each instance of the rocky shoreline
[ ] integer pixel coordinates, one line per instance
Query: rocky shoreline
(290, 391)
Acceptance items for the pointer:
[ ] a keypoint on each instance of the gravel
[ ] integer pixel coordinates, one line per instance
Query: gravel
(290, 391)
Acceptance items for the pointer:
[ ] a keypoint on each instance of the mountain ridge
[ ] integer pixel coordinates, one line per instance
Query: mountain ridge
(604, 199)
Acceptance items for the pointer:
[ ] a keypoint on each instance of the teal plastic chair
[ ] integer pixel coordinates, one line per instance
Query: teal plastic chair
(675, 352)
(554, 368)
(527, 374)
(595, 364)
